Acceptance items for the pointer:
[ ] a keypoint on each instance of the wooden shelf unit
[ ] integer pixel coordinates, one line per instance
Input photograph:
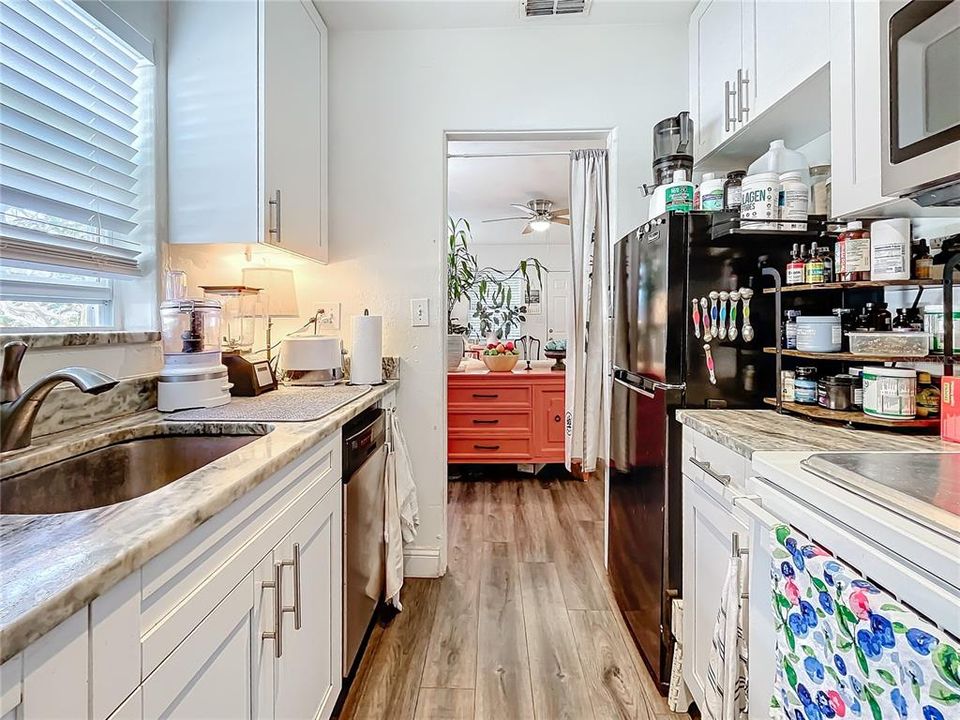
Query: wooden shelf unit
(857, 284)
(853, 417)
(850, 357)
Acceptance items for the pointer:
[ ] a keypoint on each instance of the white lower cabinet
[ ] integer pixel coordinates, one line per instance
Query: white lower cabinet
(708, 528)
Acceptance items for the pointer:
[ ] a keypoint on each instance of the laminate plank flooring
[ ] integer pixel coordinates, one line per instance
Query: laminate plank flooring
(522, 627)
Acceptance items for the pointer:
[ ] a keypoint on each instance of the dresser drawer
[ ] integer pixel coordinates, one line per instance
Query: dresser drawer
(516, 422)
(484, 449)
(478, 396)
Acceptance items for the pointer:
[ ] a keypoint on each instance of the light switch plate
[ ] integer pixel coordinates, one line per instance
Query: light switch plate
(420, 312)
(329, 317)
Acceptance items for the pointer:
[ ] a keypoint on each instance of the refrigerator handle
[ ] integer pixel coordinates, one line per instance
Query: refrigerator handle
(635, 388)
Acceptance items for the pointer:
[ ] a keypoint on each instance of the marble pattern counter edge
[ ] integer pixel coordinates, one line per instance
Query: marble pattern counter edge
(54, 565)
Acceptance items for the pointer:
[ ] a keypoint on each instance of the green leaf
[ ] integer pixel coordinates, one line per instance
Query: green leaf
(874, 708)
(780, 554)
(875, 689)
(891, 607)
(940, 692)
(791, 674)
(808, 650)
(947, 661)
(819, 584)
(843, 644)
(887, 676)
(791, 640)
(862, 661)
(783, 532)
(915, 687)
(782, 601)
(900, 628)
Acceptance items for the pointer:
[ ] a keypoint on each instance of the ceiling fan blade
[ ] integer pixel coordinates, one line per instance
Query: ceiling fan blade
(502, 219)
(527, 229)
(565, 211)
(560, 221)
(522, 208)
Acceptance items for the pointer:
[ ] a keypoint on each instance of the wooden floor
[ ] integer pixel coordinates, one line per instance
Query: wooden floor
(523, 624)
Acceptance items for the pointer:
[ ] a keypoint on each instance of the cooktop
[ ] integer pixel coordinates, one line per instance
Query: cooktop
(923, 487)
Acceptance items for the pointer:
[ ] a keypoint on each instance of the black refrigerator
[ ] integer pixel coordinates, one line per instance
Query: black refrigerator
(659, 366)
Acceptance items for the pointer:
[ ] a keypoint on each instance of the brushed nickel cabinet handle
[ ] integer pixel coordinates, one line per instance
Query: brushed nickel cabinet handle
(705, 466)
(477, 421)
(486, 447)
(275, 203)
(728, 119)
(295, 608)
(743, 109)
(277, 633)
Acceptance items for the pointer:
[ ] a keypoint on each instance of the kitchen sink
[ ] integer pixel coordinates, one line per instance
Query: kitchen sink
(114, 473)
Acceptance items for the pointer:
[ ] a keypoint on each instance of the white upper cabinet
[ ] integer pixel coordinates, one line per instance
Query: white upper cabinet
(745, 56)
(716, 56)
(247, 125)
(787, 42)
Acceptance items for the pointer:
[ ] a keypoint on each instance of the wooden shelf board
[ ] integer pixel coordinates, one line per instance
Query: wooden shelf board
(850, 357)
(853, 285)
(853, 417)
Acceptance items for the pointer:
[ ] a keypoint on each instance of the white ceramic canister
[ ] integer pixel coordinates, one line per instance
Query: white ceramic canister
(759, 201)
(890, 393)
(793, 201)
(711, 192)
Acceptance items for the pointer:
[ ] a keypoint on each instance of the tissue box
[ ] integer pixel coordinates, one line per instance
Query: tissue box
(950, 409)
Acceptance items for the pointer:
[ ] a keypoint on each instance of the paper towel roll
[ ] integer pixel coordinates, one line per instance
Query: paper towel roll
(366, 356)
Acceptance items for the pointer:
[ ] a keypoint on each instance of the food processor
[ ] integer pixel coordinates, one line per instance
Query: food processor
(193, 375)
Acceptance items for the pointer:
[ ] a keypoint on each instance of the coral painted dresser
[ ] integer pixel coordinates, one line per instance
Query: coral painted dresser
(505, 417)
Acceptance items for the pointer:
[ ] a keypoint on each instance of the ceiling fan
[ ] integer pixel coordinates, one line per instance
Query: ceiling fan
(538, 215)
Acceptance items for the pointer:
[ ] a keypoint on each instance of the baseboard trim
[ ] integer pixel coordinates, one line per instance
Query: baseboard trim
(421, 562)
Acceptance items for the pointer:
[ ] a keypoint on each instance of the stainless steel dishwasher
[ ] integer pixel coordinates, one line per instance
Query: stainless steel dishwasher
(364, 460)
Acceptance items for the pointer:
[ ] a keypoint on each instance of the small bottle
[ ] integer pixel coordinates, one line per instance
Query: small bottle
(900, 323)
(928, 396)
(732, 189)
(813, 267)
(805, 385)
(790, 329)
(884, 318)
(855, 252)
(678, 194)
(828, 266)
(795, 269)
(794, 201)
(922, 262)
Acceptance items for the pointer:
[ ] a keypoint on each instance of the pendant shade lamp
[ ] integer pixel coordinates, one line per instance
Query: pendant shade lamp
(277, 287)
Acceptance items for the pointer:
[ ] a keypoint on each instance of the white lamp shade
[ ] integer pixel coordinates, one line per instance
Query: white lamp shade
(277, 287)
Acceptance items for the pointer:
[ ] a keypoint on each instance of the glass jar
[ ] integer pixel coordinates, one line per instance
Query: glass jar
(805, 385)
(819, 198)
(732, 189)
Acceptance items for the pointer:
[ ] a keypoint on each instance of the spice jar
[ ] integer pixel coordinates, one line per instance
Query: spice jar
(805, 385)
(732, 189)
(833, 392)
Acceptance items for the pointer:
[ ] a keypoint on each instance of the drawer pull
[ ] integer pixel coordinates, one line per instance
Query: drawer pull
(557, 418)
(705, 466)
(277, 633)
(477, 421)
(486, 447)
(295, 564)
(480, 396)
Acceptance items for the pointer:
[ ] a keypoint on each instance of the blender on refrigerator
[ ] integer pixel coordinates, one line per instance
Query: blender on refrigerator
(193, 375)
(672, 151)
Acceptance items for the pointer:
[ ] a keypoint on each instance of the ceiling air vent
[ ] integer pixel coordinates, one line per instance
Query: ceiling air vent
(546, 8)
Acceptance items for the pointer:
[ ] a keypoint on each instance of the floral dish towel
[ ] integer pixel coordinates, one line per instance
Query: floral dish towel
(846, 649)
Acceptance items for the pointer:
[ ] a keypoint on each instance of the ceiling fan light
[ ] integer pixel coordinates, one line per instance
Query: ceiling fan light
(540, 224)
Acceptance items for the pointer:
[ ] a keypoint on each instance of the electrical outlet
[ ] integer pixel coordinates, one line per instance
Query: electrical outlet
(420, 312)
(329, 317)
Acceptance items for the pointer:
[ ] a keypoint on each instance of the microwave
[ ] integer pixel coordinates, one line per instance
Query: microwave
(920, 111)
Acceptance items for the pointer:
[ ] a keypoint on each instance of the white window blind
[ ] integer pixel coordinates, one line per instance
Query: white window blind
(73, 142)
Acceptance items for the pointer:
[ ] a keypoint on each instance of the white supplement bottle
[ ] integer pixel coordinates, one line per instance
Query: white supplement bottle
(794, 201)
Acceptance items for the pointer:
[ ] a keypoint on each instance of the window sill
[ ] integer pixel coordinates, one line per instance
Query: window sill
(81, 338)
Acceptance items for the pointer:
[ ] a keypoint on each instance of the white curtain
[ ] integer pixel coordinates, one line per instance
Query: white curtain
(589, 231)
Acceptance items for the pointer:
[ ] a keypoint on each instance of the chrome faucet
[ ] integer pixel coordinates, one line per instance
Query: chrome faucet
(18, 409)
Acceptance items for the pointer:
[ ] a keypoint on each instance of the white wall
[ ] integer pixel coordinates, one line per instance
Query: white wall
(393, 94)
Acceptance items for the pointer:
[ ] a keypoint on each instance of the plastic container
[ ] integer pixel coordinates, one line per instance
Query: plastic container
(819, 333)
(819, 200)
(890, 344)
(733, 189)
(805, 385)
(890, 393)
(781, 159)
(793, 201)
(890, 249)
(853, 253)
(678, 195)
(788, 382)
(933, 324)
(759, 201)
(711, 192)
(833, 392)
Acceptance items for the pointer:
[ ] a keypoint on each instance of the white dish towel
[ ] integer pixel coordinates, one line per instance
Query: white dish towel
(401, 514)
(726, 689)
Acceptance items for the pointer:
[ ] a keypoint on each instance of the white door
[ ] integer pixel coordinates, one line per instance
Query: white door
(708, 527)
(559, 304)
(293, 44)
(716, 49)
(308, 677)
(784, 44)
(210, 674)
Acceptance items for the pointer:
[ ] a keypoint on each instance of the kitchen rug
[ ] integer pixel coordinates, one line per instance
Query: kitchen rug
(285, 404)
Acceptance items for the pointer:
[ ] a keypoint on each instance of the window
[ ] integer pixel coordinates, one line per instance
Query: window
(515, 286)
(76, 166)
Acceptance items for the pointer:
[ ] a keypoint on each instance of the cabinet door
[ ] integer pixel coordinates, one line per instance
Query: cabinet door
(708, 526)
(548, 413)
(211, 673)
(784, 43)
(308, 677)
(294, 89)
(715, 47)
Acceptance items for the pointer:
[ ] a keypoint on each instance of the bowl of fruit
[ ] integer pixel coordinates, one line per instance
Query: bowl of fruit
(501, 356)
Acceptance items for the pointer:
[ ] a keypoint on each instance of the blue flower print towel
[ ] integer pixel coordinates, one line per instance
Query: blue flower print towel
(846, 649)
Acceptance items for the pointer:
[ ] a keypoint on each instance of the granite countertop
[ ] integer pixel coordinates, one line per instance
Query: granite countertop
(749, 431)
(53, 565)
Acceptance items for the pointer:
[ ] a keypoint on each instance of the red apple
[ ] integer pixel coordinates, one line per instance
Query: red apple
(491, 346)
(509, 345)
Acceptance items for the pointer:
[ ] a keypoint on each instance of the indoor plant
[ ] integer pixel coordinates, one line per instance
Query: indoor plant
(495, 313)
